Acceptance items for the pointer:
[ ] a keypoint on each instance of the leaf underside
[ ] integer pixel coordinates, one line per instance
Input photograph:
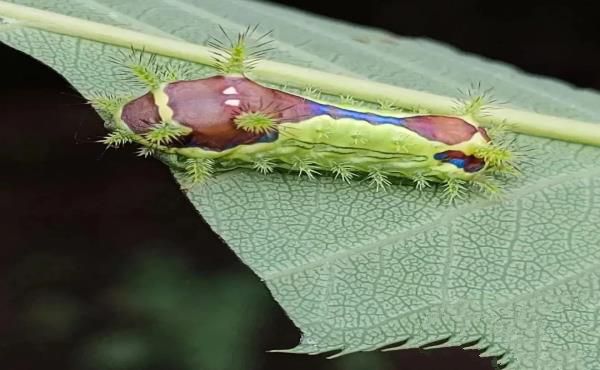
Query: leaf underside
(357, 269)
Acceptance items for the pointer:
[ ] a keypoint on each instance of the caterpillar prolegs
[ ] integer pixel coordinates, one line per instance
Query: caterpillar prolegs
(205, 126)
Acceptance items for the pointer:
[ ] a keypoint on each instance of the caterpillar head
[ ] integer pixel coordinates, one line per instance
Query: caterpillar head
(139, 115)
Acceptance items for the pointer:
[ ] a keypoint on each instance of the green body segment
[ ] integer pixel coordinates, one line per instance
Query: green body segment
(325, 143)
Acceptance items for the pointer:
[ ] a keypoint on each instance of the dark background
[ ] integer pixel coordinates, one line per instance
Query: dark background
(104, 264)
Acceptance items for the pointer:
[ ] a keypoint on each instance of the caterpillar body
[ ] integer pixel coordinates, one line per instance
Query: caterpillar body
(204, 126)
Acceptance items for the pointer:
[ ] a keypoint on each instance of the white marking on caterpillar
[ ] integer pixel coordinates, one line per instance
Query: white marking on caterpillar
(230, 91)
(233, 102)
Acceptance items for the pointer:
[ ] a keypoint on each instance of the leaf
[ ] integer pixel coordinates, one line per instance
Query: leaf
(358, 270)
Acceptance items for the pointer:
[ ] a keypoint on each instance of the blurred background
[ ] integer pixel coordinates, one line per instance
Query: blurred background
(105, 265)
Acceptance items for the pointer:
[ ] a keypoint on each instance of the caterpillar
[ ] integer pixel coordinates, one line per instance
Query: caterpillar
(205, 126)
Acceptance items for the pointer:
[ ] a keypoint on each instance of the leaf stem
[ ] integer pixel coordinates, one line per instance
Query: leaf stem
(286, 74)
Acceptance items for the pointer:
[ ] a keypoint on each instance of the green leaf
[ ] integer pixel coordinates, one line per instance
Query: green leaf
(357, 269)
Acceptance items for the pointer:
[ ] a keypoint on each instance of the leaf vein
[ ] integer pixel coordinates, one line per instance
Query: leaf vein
(444, 219)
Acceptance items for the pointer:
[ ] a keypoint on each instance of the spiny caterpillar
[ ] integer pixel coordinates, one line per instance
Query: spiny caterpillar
(201, 127)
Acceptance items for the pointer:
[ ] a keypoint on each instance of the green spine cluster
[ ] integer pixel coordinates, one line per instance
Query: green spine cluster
(239, 54)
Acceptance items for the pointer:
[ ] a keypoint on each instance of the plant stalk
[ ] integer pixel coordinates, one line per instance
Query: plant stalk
(287, 74)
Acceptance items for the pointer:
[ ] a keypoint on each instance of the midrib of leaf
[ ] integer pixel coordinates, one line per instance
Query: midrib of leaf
(445, 219)
(215, 18)
(376, 54)
(287, 74)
